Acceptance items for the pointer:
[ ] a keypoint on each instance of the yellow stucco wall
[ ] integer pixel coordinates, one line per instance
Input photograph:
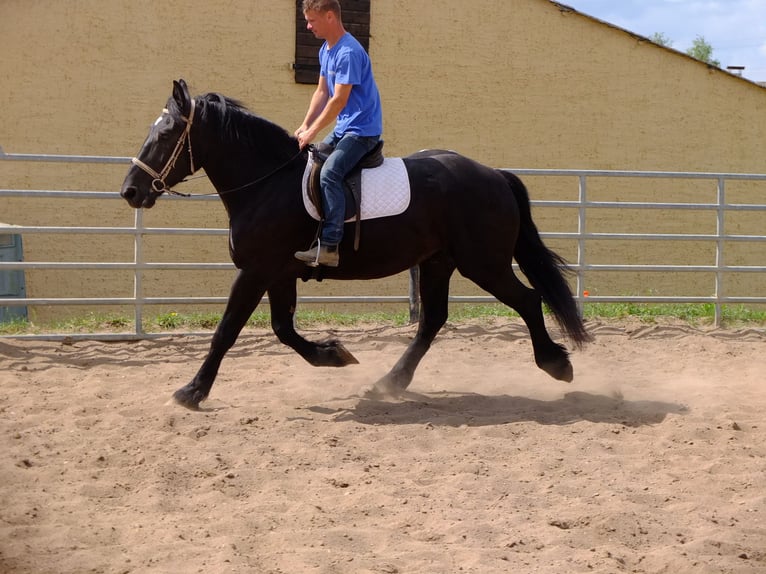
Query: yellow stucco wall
(525, 84)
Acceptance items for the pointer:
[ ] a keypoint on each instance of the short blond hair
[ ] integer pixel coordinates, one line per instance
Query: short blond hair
(322, 6)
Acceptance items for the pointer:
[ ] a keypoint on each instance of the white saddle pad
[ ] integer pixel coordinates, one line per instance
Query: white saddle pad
(385, 190)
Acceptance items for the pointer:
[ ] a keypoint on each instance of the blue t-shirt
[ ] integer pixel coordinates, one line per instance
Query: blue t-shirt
(348, 63)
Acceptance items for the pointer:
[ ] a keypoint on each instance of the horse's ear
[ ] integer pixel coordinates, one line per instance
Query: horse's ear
(181, 95)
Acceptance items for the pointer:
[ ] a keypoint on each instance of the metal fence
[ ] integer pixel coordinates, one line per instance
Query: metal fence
(584, 206)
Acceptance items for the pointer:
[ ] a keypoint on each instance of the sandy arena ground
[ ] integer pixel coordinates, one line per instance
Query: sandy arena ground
(652, 461)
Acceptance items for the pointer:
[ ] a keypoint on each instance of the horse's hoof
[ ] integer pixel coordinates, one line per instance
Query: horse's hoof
(333, 354)
(187, 398)
(559, 370)
(345, 355)
(388, 387)
(381, 391)
(374, 394)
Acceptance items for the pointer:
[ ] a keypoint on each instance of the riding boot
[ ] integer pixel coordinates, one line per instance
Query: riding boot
(320, 255)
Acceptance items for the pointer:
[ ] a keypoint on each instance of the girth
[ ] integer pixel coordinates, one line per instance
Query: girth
(352, 184)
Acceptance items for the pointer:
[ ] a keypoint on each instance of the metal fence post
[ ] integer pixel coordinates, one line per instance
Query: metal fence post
(581, 224)
(138, 260)
(719, 256)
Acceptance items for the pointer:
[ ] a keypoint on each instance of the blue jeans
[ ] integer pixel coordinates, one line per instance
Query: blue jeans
(348, 151)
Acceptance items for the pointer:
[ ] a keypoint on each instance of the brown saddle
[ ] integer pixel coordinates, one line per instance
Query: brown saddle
(352, 187)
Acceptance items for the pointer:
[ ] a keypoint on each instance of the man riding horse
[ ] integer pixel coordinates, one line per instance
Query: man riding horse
(347, 94)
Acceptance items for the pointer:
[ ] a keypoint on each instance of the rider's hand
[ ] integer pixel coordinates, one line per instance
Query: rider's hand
(305, 138)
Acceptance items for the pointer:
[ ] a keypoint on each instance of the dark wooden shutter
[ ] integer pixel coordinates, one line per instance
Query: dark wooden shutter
(356, 20)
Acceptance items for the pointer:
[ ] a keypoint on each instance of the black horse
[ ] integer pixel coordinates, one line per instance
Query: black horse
(462, 215)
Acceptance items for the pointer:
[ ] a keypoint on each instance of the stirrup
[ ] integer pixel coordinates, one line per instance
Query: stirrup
(313, 255)
(318, 244)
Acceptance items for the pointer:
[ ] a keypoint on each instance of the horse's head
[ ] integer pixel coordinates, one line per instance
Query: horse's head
(166, 157)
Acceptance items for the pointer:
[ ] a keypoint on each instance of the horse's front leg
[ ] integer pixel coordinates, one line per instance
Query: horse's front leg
(246, 292)
(282, 298)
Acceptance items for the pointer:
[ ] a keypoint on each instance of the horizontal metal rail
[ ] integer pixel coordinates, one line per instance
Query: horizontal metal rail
(638, 174)
(57, 158)
(138, 231)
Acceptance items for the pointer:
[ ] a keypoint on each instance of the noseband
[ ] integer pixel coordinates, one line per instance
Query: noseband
(158, 183)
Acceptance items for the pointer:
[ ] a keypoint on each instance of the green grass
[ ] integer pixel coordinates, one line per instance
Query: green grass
(695, 314)
(702, 313)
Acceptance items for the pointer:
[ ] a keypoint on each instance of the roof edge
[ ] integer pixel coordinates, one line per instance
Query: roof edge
(640, 38)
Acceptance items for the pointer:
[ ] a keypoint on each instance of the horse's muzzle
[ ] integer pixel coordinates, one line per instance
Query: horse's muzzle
(136, 199)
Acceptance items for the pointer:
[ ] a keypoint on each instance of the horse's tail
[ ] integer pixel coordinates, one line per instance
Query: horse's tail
(545, 270)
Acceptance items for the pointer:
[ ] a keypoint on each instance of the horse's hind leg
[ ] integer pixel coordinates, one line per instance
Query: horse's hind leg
(246, 293)
(506, 287)
(435, 275)
(282, 299)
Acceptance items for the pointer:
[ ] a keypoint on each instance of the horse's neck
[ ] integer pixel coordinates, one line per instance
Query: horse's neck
(244, 184)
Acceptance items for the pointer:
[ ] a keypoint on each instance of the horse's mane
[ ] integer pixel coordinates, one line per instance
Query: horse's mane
(236, 124)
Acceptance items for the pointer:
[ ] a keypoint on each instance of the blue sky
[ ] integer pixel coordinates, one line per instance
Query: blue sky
(736, 29)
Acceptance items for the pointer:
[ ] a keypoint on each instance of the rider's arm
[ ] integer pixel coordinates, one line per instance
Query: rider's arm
(327, 115)
(317, 104)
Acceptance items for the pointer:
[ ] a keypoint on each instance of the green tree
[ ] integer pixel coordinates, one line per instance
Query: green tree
(661, 39)
(703, 51)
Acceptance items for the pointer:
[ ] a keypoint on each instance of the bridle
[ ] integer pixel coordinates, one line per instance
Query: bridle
(158, 183)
